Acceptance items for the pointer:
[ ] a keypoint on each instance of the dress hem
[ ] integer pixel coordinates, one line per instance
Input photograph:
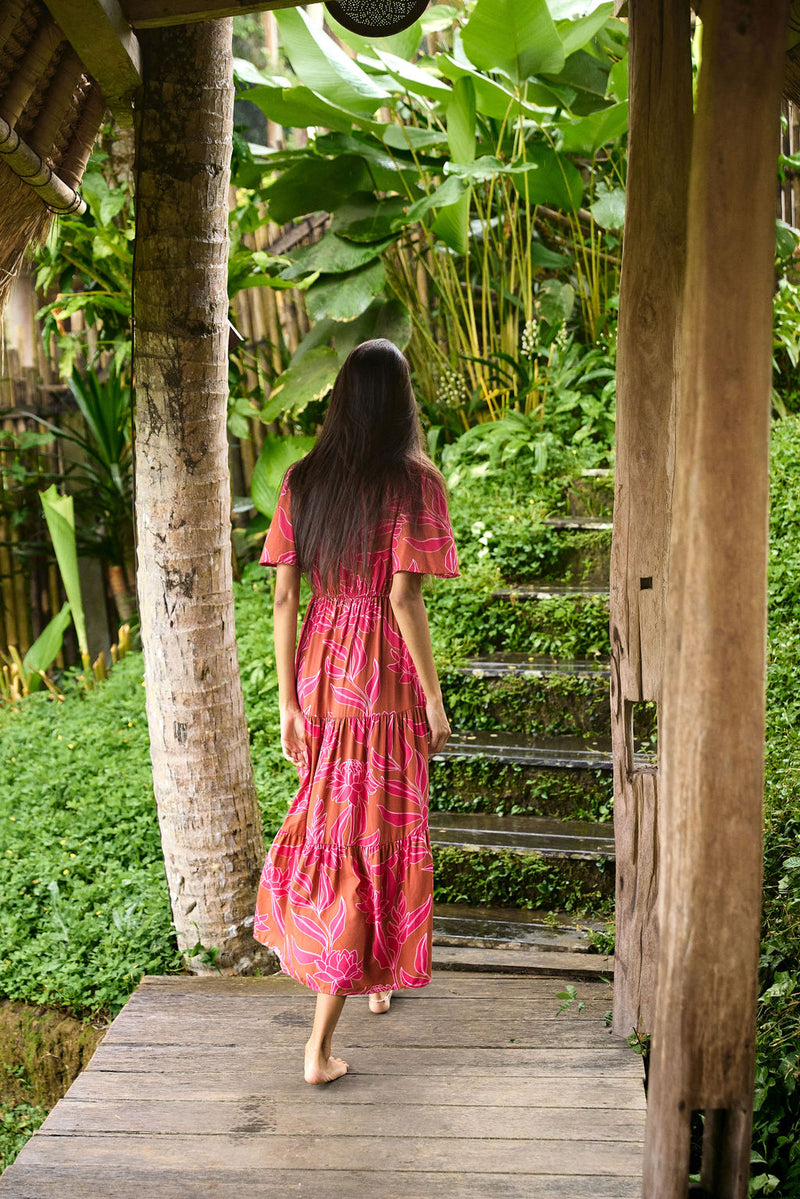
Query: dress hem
(415, 985)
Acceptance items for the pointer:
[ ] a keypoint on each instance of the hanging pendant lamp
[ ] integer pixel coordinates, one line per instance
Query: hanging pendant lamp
(376, 18)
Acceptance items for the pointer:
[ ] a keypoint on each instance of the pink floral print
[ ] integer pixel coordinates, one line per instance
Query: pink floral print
(346, 893)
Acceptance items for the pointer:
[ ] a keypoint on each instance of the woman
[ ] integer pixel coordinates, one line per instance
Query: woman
(346, 895)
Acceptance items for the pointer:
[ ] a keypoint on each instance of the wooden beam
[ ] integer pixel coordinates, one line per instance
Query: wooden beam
(651, 298)
(156, 14)
(703, 1047)
(100, 34)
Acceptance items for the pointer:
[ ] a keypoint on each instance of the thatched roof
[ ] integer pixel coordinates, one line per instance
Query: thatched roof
(50, 111)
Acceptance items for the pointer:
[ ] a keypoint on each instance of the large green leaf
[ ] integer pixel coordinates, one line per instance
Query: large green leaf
(383, 318)
(452, 222)
(60, 516)
(314, 185)
(494, 100)
(448, 193)
(609, 209)
(344, 297)
(324, 67)
(545, 178)
(388, 172)
(517, 37)
(403, 44)
(550, 178)
(309, 380)
(407, 137)
(333, 255)
(277, 455)
(576, 33)
(45, 648)
(590, 133)
(413, 78)
(366, 219)
(584, 73)
(300, 108)
(555, 301)
(618, 80)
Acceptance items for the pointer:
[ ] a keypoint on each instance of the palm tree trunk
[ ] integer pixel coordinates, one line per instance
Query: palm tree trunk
(208, 813)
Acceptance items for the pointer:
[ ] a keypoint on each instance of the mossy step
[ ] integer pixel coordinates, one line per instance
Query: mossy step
(484, 784)
(536, 666)
(546, 591)
(510, 928)
(510, 692)
(570, 839)
(563, 753)
(582, 522)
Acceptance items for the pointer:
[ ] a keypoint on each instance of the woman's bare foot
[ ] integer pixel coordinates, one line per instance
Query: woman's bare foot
(319, 1068)
(379, 1001)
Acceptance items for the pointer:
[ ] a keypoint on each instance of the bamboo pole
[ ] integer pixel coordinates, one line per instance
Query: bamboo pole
(651, 294)
(714, 682)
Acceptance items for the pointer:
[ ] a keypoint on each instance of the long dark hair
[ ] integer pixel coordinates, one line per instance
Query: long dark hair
(368, 464)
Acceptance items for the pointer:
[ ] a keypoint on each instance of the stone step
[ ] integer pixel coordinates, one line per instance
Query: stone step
(544, 591)
(565, 753)
(459, 924)
(509, 665)
(573, 839)
(580, 522)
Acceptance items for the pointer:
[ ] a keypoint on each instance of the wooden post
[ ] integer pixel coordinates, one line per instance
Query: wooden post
(651, 295)
(714, 682)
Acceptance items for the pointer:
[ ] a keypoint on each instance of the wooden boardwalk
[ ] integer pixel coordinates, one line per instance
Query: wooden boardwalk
(471, 1088)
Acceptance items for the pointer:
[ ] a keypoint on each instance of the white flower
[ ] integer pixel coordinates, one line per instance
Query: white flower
(530, 336)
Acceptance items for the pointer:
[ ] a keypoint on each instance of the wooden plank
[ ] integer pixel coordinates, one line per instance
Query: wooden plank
(622, 1091)
(529, 995)
(101, 36)
(651, 300)
(467, 983)
(389, 1116)
(155, 14)
(294, 1028)
(133, 1180)
(568, 966)
(714, 690)
(509, 1062)
(197, 1154)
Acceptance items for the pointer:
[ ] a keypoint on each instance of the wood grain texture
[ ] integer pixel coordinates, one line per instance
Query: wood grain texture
(714, 689)
(158, 14)
(109, 50)
(651, 293)
(197, 1117)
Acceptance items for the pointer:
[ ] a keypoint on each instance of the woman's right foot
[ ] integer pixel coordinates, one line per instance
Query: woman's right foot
(379, 1001)
(319, 1068)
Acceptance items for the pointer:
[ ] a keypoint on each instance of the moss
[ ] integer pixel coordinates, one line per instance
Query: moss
(558, 704)
(511, 789)
(503, 879)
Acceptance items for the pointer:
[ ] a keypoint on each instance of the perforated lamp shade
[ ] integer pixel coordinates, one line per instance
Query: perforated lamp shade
(376, 18)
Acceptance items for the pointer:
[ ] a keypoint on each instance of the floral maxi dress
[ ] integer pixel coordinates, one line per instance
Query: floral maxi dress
(346, 893)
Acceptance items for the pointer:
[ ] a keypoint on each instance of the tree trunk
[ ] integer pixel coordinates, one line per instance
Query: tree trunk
(651, 296)
(208, 814)
(714, 680)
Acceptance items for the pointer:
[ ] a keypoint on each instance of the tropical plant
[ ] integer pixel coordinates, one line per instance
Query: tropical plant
(466, 201)
(101, 477)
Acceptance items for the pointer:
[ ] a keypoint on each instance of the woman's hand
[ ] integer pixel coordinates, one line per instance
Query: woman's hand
(293, 741)
(438, 724)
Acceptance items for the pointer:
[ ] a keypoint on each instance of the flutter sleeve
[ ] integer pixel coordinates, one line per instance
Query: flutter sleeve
(424, 543)
(279, 543)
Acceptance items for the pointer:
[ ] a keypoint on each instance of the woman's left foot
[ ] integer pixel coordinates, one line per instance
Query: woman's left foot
(379, 1001)
(319, 1068)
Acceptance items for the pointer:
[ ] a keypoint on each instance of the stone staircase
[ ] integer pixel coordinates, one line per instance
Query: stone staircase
(524, 785)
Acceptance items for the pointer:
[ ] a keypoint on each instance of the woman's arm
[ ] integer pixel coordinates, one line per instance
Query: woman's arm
(287, 601)
(408, 606)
